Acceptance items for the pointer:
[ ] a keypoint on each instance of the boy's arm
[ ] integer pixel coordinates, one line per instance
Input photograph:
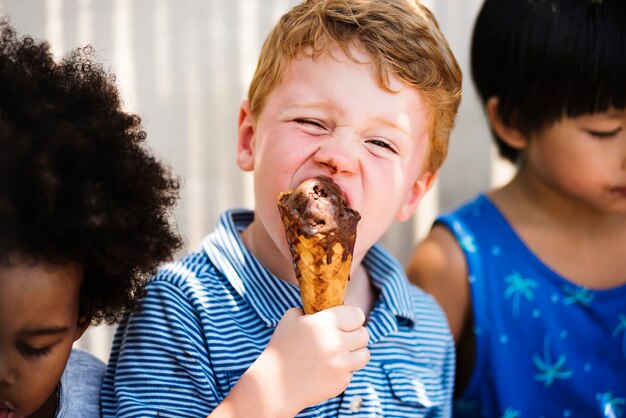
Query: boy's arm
(310, 358)
(438, 266)
(159, 365)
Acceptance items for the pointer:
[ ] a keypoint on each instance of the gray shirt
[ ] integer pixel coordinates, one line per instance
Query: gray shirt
(80, 386)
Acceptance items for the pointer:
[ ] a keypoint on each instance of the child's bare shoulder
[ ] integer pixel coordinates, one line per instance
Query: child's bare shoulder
(438, 266)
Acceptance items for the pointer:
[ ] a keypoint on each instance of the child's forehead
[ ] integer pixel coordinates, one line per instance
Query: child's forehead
(355, 54)
(40, 277)
(607, 114)
(335, 71)
(39, 294)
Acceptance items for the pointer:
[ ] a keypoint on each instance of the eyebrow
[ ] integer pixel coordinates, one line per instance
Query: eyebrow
(392, 125)
(308, 106)
(43, 331)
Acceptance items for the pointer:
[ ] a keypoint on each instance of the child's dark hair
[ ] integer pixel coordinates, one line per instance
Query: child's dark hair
(546, 59)
(76, 184)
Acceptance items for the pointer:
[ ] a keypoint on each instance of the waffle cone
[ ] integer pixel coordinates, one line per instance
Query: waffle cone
(322, 275)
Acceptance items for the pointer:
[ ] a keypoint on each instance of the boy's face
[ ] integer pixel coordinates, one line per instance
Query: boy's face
(329, 117)
(38, 325)
(583, 158)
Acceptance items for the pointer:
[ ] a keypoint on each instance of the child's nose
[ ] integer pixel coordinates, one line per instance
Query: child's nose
(338, 154)
(7, 374)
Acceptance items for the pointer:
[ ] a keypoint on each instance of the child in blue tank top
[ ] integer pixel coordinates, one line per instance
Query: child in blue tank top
(532, 276)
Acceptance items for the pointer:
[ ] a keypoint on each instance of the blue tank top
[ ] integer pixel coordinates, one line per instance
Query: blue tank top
(545, 347)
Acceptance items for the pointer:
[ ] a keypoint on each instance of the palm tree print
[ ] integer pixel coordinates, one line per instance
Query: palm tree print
(612, 408)
(511, 413)
(578, 295)
(467, 243)
(621, 327)
(518, 286)
(464, 408)
(549, 371)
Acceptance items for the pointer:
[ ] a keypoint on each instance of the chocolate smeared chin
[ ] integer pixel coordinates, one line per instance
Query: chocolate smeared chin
(321, 231)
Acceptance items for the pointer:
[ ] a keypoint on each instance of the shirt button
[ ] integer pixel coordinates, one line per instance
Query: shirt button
(356, 403)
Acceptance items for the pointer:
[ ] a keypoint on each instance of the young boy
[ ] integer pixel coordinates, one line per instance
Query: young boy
(532, 275)
(361, 92)
(83, 222)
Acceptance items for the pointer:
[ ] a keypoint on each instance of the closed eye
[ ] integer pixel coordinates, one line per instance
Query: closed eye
(311, 122)
(383, 144)
(29, 351)
(604, 134)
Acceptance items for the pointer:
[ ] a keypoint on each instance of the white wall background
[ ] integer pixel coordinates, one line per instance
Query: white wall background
(184, 66)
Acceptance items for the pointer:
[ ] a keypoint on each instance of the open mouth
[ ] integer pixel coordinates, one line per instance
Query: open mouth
(7, 411)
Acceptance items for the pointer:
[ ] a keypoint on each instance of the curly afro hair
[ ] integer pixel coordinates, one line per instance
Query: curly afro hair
(77, 185)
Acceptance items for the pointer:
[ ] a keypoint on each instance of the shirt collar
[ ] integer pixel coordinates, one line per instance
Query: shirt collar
(389, 278)
(270, 297)
(267, 295)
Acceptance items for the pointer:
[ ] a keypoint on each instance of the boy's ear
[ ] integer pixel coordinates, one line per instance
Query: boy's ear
(245, 137)
(419, 189)
(510, 135)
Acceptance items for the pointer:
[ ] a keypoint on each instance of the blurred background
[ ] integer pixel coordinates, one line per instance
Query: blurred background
(184, 67)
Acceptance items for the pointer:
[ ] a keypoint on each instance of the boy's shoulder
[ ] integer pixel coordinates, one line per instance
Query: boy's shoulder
(190, 269)
(203, 273)
(81, 361)
(195, 264)
(80, 385)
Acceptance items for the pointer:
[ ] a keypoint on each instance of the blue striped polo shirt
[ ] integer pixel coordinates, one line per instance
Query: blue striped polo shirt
(208, 316)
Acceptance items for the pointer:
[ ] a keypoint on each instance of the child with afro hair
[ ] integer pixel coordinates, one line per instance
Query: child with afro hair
(84, 220)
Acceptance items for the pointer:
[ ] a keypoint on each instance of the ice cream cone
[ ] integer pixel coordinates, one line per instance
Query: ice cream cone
(321, 231)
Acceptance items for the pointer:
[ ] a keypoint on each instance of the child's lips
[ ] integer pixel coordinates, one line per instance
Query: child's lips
(621, 190)
(7, 411)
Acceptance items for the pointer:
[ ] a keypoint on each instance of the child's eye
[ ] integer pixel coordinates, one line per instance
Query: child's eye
(311, 122)
(384, 144)
(604, 134)
(29, 351)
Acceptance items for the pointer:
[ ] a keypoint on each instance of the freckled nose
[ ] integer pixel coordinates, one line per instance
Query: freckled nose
(331, 165)
(338, 154)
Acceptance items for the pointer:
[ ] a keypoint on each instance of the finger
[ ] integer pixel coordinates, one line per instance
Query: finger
(347, 317)
(357, 339)
(358, 359)
(293, 313)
